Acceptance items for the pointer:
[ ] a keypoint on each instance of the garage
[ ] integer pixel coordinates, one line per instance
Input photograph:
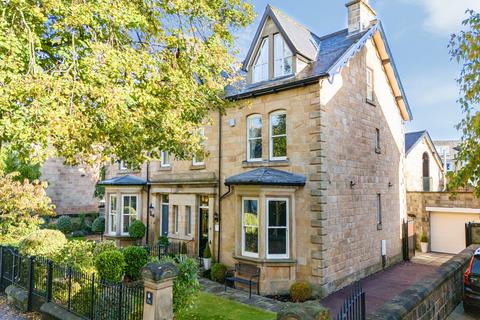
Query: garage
(447, 228)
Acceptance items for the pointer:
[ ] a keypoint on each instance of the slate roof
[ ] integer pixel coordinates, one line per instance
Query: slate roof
(411, 139)
(266, 177)
(127, 180)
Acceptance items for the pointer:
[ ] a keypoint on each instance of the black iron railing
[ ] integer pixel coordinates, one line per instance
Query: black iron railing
(353, 307)
(80, 293)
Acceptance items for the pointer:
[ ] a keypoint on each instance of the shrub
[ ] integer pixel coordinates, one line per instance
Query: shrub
(185, 285)
(137, 229)
(78, 234)
(110, 265)
(98, 225)
(218, 272)
(64, 224)
(135, 259)
(42, 243)
(104, 246)
(207, 254)
(423, 238)
(300, 291)
(77, 254)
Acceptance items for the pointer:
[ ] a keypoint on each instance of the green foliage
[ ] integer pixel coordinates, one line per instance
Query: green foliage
(300, 291)
(98, 80)
(42, 243)
(100, 189)
(104, 246)
(185, 286)
(207, 253)
(10, 162)
(98, 225)
(77, 254)
(110, 265)
(218, 272)
(137, 229)
(64, 224)
(465, 49)
(183, 248)
(22, 203)
(423, 238)
(135, 258)
(163, 241)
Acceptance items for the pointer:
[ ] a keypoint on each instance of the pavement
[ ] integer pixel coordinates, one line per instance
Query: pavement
(8, 312)
(431, 258)
(459, 314)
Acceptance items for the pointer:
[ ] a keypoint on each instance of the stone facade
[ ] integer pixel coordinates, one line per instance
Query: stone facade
(447, 149)
(70, 188)
(414, 168)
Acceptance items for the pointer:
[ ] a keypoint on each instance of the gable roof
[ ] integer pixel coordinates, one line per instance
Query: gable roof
(127, 180)
(266, 177)
(333, 52)
(413, 138)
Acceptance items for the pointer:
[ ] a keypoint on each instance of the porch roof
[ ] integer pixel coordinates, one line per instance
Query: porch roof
(127, 180)
(267, 177)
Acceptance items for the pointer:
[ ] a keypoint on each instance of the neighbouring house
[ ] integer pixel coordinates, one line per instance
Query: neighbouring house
(423, 166)
(306, 179)
(448, 149)
(70, 188)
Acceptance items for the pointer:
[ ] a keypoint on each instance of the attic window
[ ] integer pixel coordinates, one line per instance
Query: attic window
(260, 68)
(282, 57)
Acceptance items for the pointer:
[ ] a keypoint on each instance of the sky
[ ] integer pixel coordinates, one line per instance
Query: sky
(418, 32)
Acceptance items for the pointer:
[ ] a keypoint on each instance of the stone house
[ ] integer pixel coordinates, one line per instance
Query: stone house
(448, 149)
(423, 166)
(306, 179)
(71, 189)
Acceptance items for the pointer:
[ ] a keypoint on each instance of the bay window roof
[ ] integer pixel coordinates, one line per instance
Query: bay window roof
(266, 177)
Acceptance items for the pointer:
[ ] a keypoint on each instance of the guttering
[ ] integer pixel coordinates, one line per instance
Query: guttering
(219, 181)
(148, 203)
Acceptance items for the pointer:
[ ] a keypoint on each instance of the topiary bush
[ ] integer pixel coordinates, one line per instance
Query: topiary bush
(300, 291)
(137, 229)
(110, 266)
(64, 224)
(78, 234)
(104, 246)
(42, 243)
(218, 272)
(98, 226)
(135, 259)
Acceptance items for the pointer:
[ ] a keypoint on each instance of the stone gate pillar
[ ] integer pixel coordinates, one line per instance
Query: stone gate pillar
(158, 281)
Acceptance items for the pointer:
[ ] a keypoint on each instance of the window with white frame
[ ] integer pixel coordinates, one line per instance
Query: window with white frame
(112, 215)
(260, 67)
(250, 227)
(165, 159)
(278, 136)
(378, 208)
(254, 138)
(176, 219)
(188, 213)
(129, 211)
(199, 160)
(370, 90)
(282, 57)
(122, 165)
(277, 229)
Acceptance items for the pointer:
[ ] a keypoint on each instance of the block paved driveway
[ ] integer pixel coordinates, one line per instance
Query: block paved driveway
(382, 286)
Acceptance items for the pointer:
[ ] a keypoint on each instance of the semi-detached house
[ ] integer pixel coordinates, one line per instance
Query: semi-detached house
(304, 180)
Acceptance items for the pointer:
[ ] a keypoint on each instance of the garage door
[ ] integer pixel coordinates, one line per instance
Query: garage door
(448, 230)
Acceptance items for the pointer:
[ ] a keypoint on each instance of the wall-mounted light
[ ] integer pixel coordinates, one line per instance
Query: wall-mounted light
(352, 184)
(390, 184)
(216, 217)
(150, 209)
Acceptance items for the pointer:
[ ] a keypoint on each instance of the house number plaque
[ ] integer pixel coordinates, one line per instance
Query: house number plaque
(149, 298)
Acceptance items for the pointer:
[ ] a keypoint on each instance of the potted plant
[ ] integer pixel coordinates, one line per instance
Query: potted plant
(424, 243)
(207, 257)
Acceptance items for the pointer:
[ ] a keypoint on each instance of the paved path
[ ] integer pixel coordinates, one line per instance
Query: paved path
(459, 314)
(9, 313)
(382, 286)
(431, 258)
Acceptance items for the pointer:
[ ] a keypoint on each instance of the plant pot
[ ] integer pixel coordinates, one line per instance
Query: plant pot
(207, 263)
(424, 247)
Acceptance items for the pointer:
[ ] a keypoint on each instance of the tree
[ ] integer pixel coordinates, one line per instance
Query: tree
(93, 81)
(465, 49)
(22, 203)
(10, 162)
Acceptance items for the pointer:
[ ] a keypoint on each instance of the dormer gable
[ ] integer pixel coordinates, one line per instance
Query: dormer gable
(281, 48)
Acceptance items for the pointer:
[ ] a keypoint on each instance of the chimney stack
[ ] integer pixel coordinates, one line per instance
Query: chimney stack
(360, 15)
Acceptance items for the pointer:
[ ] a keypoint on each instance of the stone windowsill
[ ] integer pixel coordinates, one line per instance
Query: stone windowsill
(197, 167)
(371, 102)
(265, 163)
(182, 237)
(267, 262)
(166, 168)
(115, 236)
(129, 171)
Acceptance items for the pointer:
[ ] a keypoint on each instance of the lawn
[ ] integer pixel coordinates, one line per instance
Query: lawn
(210, 307)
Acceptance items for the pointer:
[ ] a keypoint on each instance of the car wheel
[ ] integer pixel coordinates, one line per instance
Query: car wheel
(467, 308)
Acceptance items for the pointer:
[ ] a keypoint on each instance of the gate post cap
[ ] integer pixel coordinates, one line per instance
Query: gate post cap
(156, 272)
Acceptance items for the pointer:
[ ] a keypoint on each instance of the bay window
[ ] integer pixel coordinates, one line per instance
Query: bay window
(112, 215)
(260, 67)
(129, 211)
(278, 136)
(277, 229)
(250, 227)
(254, 138)
(282, 57)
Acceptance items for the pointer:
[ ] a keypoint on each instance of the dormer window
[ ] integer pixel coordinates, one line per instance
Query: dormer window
(282, 57)
(260, 68)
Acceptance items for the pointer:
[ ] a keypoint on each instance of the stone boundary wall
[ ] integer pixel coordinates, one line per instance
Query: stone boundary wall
(434, 297)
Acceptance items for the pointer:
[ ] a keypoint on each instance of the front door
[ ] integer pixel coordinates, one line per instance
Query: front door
(203, 225)
(165, 204)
